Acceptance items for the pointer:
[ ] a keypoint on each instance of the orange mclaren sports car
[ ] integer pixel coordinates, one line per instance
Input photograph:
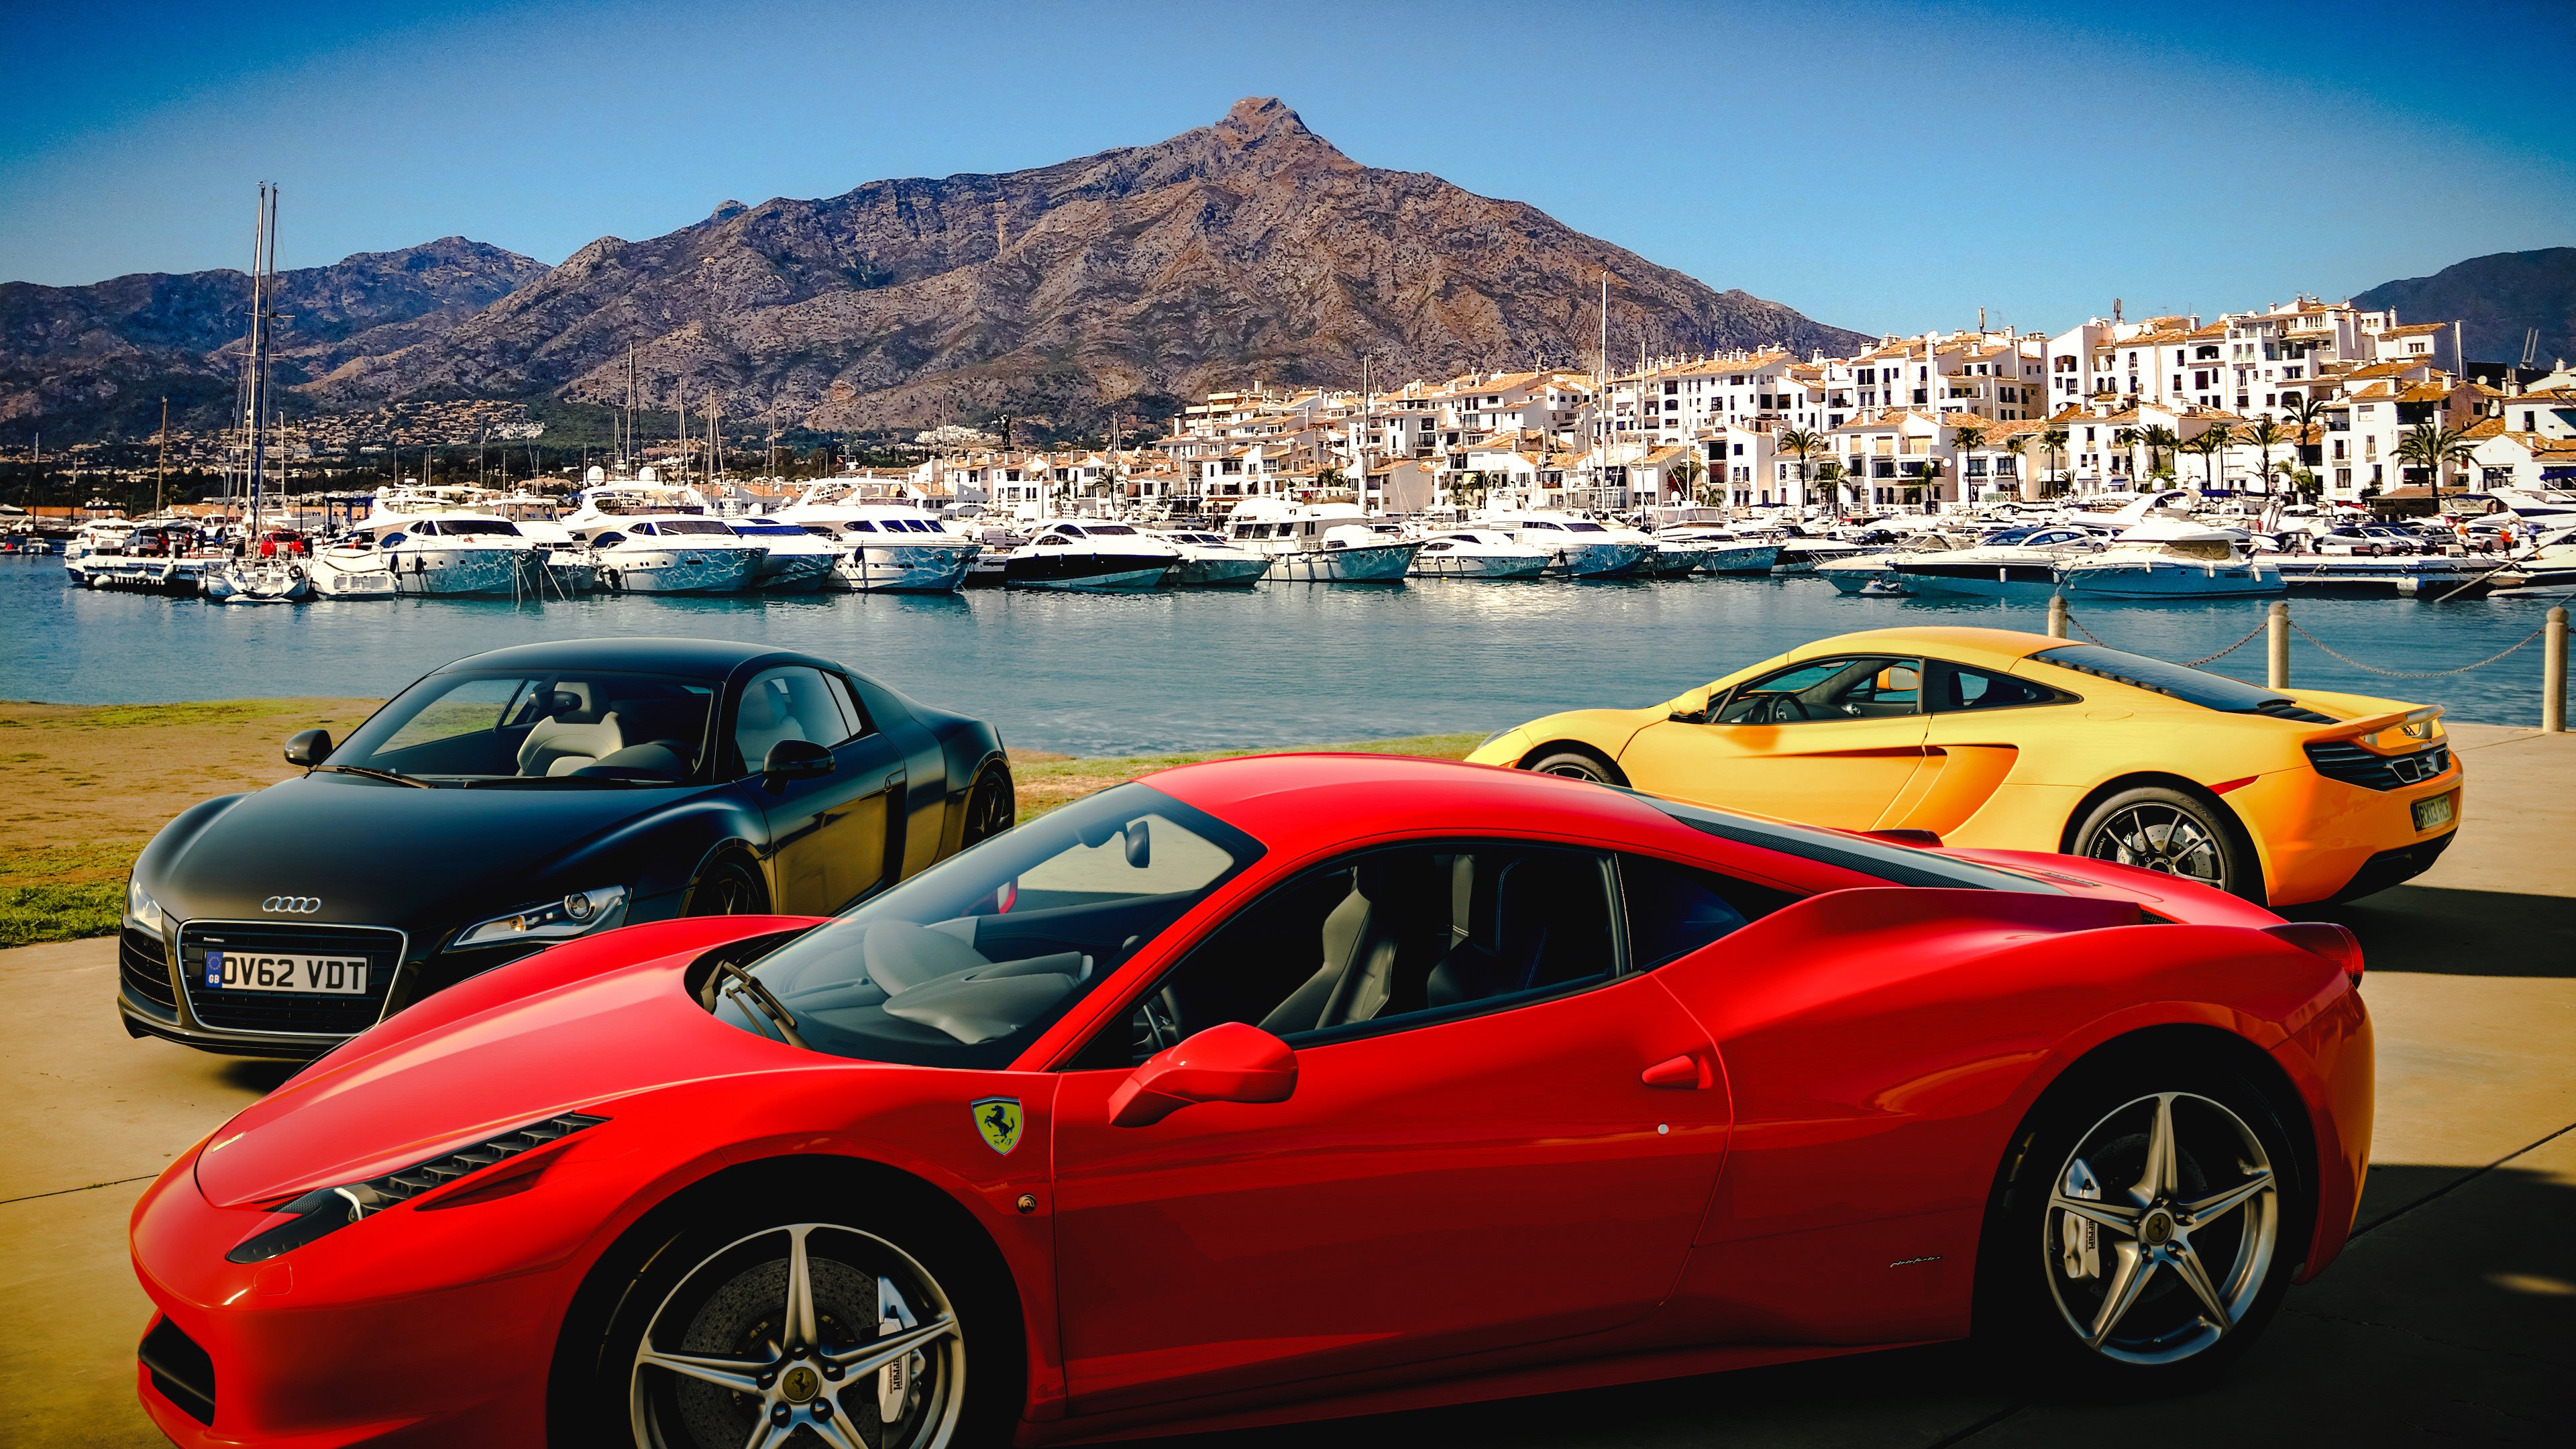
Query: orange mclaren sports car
(1988, 738)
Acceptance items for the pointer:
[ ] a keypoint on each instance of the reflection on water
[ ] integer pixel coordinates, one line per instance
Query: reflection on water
(1275, 665)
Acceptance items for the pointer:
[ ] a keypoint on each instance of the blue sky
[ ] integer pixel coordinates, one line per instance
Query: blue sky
(1876, 166)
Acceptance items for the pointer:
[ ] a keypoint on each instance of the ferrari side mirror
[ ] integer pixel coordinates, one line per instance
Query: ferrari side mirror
(1229, 1062)
(795, 760)
(308, 748)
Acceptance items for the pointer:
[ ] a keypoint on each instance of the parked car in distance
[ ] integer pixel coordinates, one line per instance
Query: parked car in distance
(528, 796)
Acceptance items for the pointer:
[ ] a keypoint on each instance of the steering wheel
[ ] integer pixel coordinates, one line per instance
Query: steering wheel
(1782, 709)
(1160, 1017)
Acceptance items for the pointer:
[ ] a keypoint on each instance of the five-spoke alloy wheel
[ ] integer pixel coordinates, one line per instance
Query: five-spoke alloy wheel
(809, 1326)
(2170, 833)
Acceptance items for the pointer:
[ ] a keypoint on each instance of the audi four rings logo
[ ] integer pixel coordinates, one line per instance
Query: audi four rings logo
(291, 905)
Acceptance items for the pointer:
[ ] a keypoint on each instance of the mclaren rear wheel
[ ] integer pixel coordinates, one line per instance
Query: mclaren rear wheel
(2149, 1234)
(1574, 763)
(991, 807)
(2171, 833)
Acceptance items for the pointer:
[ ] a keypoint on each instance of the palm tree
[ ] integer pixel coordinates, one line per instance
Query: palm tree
(1926, 483)
(1806, 443)
(2053, 439)
(1830, 473)
(2432, 446)
(2267, 435)
(2160, 440)
(1966, 439)
(2212, 444)
(1690, 471)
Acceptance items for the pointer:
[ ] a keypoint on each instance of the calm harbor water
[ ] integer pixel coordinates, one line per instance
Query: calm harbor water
(1281, 664)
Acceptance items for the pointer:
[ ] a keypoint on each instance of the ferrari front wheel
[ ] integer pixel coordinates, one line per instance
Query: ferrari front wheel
(2146, 1237)
(2171, 833)
(806, 1332)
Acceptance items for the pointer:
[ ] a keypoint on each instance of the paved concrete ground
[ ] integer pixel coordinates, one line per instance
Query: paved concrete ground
(2452, 1316)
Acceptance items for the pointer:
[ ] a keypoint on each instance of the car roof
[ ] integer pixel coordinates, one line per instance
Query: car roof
(705, 658)
(1997, 646)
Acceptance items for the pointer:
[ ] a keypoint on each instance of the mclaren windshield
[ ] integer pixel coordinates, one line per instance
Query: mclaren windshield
(561, 729)
(965, 964)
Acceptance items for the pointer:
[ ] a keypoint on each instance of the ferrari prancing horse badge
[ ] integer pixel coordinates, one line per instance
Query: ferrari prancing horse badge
(998, 1119)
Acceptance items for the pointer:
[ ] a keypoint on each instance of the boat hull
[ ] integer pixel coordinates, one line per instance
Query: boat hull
(795, 573)
(1220, 573)
(1371, 564)
(1600, 560)
(1679, 563)
(1472, 566)
(911, 568)
(1981, 581)
(366, 578)
(464, 572)
(1749, 558)
(1088, 573)
(2162, 579)
(678, 571)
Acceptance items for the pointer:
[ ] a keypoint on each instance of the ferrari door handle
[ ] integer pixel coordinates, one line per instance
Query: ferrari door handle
(1682, 1073)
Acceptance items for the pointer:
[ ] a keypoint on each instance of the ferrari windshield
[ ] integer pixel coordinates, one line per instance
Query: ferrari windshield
(565, 729)
(965, 964)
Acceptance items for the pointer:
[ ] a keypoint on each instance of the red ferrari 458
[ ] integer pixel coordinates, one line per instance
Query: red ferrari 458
(1272, 1089)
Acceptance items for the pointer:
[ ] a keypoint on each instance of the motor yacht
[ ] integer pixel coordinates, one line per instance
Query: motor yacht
(1578, 548)
(2168, 558)
(452, 553)
(353, 568)
(1855, 572)
(1800, 552)
(887, 547)
(2013, 563)
(672, 553)
(570, 567)
(1090, 557)
(1729, 549)
(277, 580)
(1209, 562)
(1329, 543)
(1479, 553)
(2547, 572)
(796, 561)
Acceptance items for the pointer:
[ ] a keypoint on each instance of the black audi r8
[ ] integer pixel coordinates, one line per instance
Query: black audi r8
(522, 797)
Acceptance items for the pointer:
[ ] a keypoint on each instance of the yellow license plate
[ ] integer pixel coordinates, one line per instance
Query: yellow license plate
(2441, 810)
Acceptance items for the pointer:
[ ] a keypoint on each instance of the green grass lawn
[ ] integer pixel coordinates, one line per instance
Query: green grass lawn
(63, 892)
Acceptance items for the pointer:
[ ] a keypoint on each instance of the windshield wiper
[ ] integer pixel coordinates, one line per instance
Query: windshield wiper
(745, 986)
(391, 776)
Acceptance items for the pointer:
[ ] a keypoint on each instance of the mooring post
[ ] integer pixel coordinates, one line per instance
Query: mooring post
(2057, 616)
(2553, 673)
(2278, 626)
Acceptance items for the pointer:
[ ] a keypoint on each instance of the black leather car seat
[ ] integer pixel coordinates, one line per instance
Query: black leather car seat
(1379, 946)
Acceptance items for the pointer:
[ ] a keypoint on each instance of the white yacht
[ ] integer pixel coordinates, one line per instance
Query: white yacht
(1728, 549)
(452, 553)
(1874, 570)
(1478, 553)
(259, 581)
(890, 548)
(671, 553)
(797, 560)
(1209, 562)
(570, 566)
(1800, 552)
(353, 568)
(1090, 557)
(2169, 558)
(1674, 557)
(1321, 543)
(2014, 563)
(1578, 548)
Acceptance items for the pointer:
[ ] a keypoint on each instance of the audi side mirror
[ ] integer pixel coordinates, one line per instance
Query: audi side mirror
(1229, 1062)
(308, 748)
(795, 760)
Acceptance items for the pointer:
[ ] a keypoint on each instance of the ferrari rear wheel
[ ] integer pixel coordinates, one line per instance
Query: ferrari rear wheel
(2171, 833)
(1575, 764)
(2147, 1239)
(729, 888)
(991, 807)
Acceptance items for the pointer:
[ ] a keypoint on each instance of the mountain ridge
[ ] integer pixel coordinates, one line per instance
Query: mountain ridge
(2497, 299)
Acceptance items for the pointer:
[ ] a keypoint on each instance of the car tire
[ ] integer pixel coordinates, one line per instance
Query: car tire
(2172, 833)
(1574, 763)
(2233, 1211)
(684, 1358)
(730, 887)
(991, 807)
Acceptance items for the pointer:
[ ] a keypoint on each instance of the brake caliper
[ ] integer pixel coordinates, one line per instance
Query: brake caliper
(2080, 1248)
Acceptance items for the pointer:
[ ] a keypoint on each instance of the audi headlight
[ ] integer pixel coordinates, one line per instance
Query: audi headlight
(139, 905)
(577, 914)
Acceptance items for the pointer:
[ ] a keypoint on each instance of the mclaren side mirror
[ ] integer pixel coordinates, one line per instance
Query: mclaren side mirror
(795, 760)
(308, 748)
(1229, 1062)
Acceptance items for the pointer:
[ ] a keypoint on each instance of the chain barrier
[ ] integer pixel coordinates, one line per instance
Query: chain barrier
(2416, 674)
(2256, 633)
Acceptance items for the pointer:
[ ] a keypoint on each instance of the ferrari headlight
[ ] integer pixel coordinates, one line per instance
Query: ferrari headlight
(577, 914)
(326, 1210)
(139, 905)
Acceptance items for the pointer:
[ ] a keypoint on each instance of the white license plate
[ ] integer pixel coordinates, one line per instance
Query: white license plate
(259, 971)
(2440, 810)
